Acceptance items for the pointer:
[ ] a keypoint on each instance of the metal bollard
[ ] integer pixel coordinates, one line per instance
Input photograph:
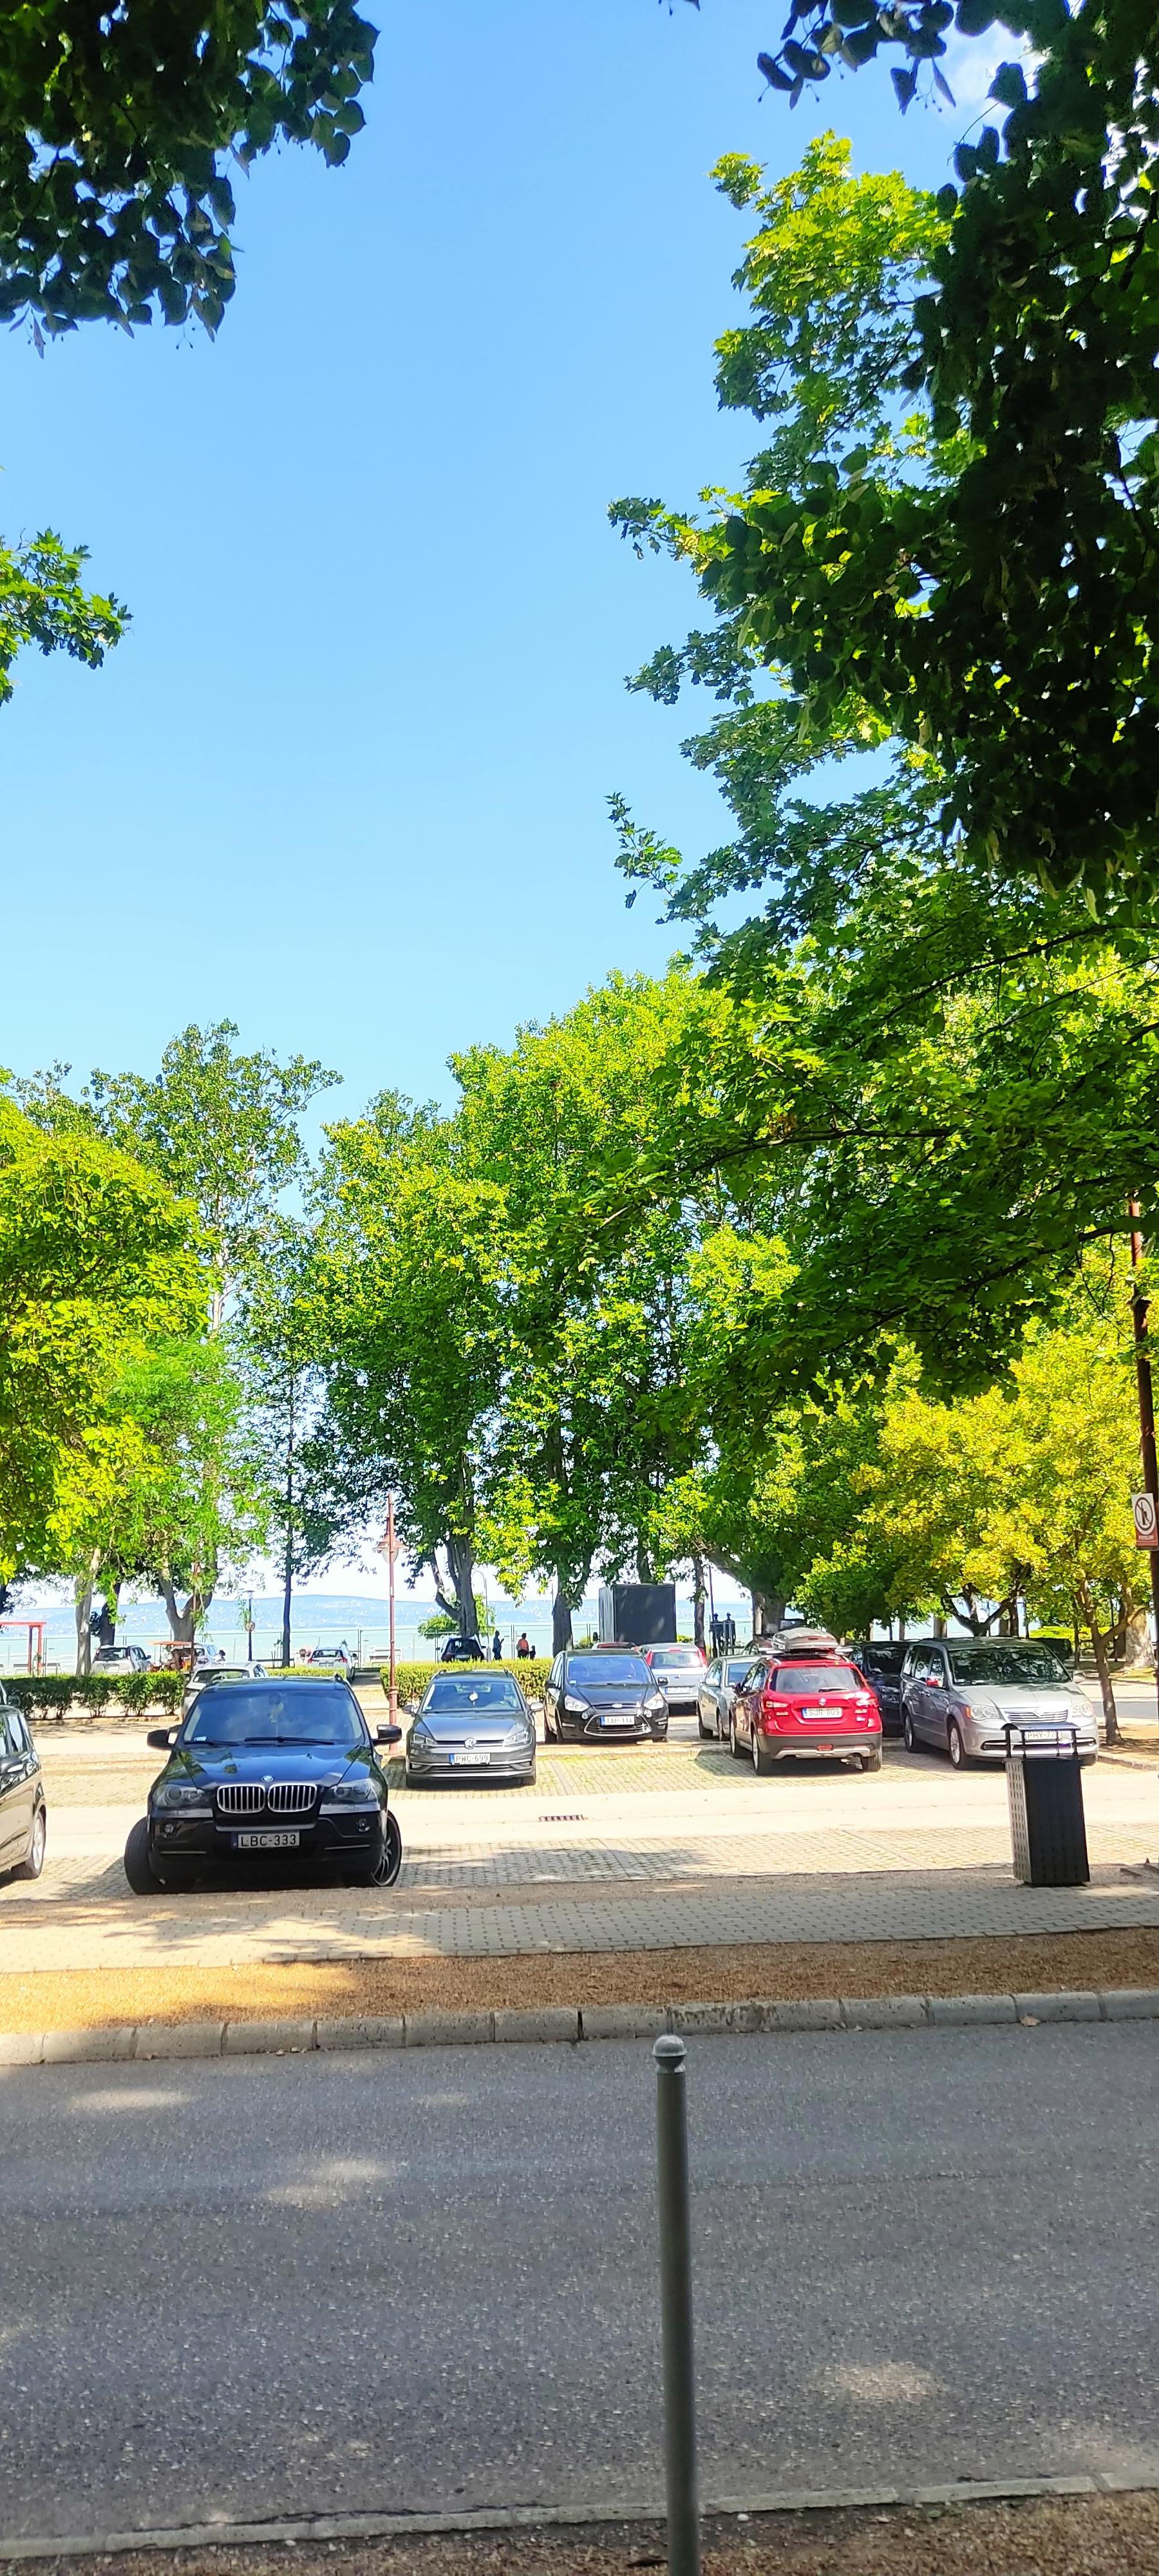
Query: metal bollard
(676, 2309)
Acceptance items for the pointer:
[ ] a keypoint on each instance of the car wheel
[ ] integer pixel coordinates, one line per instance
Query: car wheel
(872, 1761)
(735, 1746)
(908, 1736)
(954, 1745)
(762, 1758)
(383, 1870)
(33, 1861)
(139, 1870)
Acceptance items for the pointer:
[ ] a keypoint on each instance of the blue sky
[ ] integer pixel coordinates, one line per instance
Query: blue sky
(344, 782)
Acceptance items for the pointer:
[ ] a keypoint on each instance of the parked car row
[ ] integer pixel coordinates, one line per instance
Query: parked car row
(952, 1695)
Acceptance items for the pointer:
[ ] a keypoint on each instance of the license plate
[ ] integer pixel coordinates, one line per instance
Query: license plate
(615, 1717)
(478, 1755)
(266, 1842)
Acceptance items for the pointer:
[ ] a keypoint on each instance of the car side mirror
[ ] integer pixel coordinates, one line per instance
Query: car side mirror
(388, 1735)
(162, 1738)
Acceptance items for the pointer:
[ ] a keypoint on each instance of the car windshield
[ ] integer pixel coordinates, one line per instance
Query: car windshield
(474, 1694)
(673, 1658)
(796, 1678)
(1029, 1667)
(590, 1670)
(302, 1713)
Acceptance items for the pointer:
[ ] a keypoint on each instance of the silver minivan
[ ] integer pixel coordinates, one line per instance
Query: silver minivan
(958, 1695)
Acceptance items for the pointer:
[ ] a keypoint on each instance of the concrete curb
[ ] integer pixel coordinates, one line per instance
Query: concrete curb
(557, 2022)
(530, 2517)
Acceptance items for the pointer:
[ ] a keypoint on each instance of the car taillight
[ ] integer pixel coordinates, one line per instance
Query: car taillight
(774, 1708)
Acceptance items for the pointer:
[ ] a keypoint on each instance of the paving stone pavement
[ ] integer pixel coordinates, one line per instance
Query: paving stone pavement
(694, 1857)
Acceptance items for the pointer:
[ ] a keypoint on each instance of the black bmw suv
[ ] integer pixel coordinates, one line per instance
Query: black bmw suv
(267, 1766)
(600, 1693)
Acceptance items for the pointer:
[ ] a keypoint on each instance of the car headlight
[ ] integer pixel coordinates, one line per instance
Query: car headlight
(656, 1703)
(578, 1707)
(520, 1733)
(183, 1794)
(349, 1793)
(421, 1734)
(985, 1709)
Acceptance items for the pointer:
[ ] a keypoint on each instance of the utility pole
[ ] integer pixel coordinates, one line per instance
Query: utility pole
(1139, 1305)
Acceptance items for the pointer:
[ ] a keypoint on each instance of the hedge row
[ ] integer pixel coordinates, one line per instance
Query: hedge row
(92, 1692)
(412, 1679)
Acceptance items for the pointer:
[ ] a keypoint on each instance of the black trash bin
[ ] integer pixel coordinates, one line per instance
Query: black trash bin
(1044, 1781)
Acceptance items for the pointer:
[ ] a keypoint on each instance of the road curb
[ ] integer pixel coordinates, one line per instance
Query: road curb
(529, 2517)
(569, 2023)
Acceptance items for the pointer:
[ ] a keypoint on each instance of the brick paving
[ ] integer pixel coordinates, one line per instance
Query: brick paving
(669, 1847)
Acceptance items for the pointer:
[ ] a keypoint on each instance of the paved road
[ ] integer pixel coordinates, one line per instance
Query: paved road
(429, 2281)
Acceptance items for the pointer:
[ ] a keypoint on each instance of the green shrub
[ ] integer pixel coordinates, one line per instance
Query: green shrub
(137, 1691)
(167, 1690)
(50, 1691)
(413, 1678)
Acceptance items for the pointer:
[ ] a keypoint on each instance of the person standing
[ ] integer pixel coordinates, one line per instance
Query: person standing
(497, 1648)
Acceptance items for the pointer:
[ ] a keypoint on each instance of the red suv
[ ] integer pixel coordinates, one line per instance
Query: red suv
(806, 1708)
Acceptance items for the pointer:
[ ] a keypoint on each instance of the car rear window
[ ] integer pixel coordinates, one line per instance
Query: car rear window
(799, 1678)
(590, 1670)
(736, 1672)
(674, 1658)
(301, 1713)
(500, 1693)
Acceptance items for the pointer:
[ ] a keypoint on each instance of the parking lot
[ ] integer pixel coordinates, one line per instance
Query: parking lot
(615, 1848)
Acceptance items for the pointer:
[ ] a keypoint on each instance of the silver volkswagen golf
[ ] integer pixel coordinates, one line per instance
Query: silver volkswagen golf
(958, 1694)
(471, 1726)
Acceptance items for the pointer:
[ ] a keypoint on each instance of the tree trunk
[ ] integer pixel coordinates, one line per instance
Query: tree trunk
(699, 1591)
(1111, 1733)
(84, 1613)
(461, 1560)
(184, 1617)
(768, 1615)
(560, 1620)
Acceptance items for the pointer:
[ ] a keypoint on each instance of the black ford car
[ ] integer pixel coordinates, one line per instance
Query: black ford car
(600, 1693)
(267, 1766)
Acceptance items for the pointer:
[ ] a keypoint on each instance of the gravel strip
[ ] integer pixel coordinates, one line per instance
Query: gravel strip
(67, 1999)
(1080, 2535)
(554, 2023)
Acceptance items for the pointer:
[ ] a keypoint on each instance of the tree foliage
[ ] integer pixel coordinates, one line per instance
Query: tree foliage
(961, 552)
(98, 1263)
(117, 132)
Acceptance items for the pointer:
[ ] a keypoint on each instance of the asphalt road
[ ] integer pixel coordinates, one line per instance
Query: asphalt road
(429, 2280)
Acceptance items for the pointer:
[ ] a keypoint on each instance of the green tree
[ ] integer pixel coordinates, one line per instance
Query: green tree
(43, 602)
(1000, 610)
(408, 1273)
(221, 1127)
(592, 1419)
(99, 1263)
(935, 1080)
(117, 134)
(277, 1346)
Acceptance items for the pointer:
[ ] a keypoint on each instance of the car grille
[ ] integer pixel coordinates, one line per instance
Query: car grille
(280, 1798)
